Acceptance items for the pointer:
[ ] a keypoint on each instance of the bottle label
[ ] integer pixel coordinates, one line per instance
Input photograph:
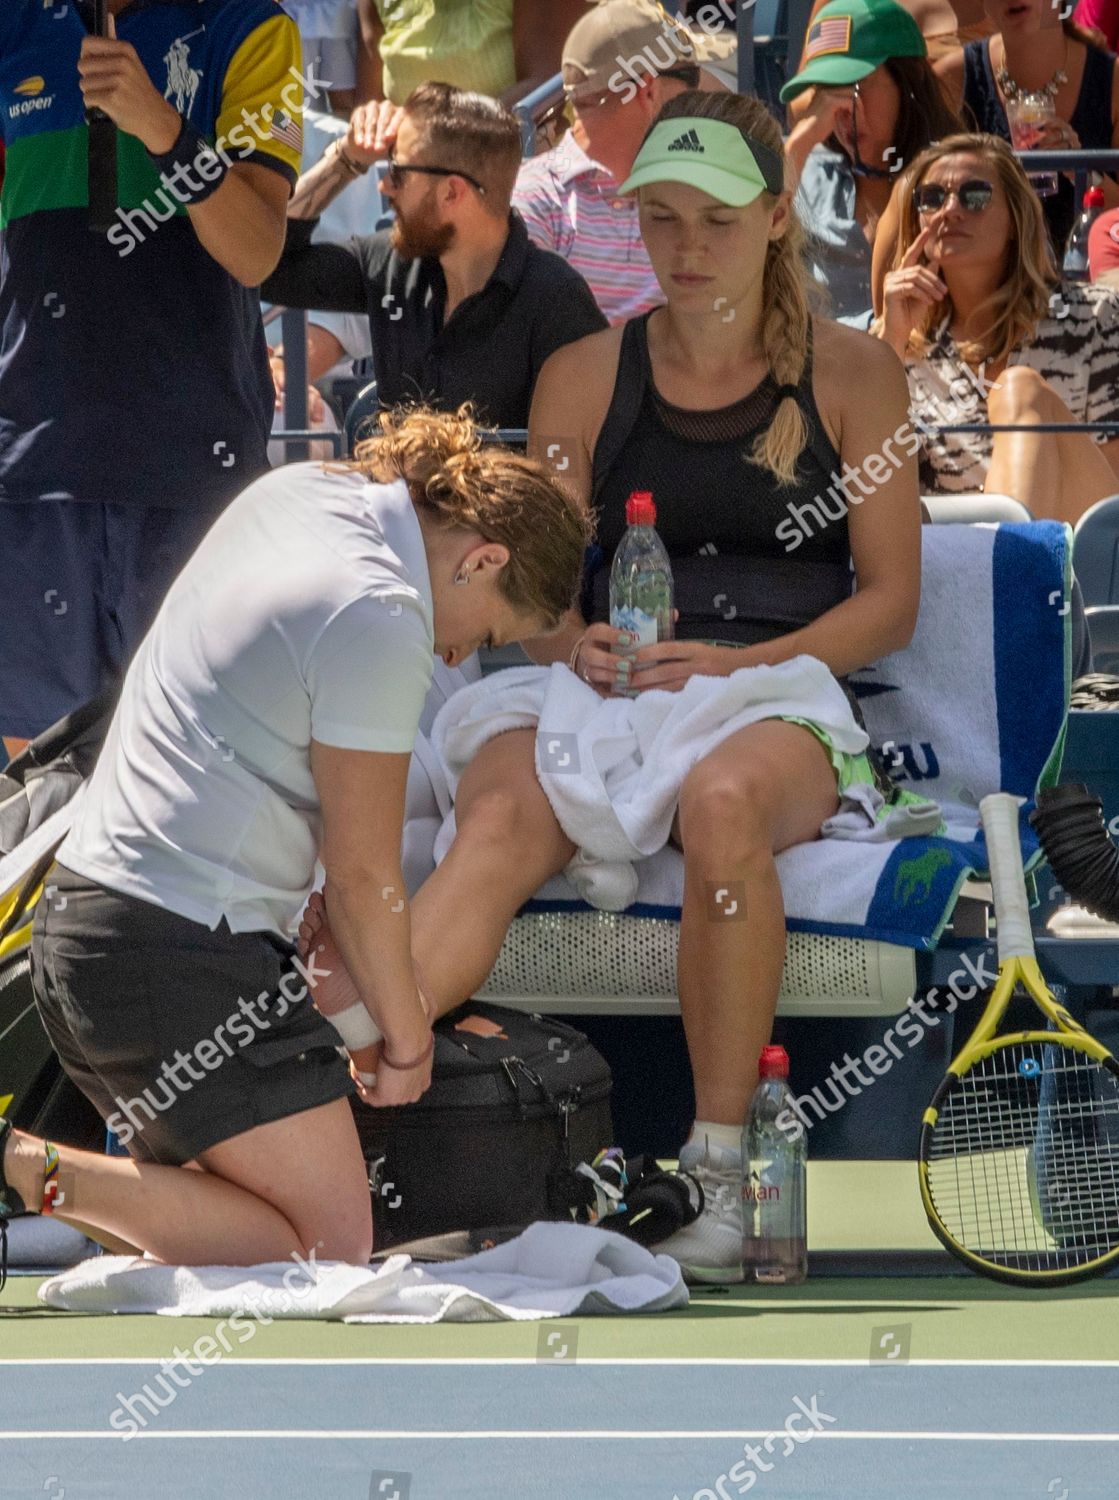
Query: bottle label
(754, 1190)
(641, 625)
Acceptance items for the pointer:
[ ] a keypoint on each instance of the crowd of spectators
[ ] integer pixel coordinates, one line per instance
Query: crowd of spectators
(388, 195)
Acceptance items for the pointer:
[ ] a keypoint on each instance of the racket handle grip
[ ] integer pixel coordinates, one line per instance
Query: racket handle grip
(999, 813)
(102, 172)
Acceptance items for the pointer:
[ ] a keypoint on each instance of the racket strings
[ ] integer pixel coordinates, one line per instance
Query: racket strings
(1023, 1161)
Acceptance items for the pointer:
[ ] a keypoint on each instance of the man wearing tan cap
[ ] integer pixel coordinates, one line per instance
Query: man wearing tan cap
(621, 61)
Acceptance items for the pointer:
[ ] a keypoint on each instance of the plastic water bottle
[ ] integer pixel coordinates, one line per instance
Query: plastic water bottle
(774, 1196)
(641, 579)
(1076, 256)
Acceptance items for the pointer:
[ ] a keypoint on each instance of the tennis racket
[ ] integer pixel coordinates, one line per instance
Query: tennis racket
(1019, 1151)
(102, 148)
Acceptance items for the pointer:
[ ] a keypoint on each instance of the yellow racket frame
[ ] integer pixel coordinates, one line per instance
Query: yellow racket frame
(1017, 970)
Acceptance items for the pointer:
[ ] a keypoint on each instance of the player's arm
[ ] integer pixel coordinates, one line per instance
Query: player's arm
(878, 449)
(569, 404)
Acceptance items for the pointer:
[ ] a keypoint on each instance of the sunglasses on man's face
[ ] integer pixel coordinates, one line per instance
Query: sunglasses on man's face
(394, 174)
(973, 196)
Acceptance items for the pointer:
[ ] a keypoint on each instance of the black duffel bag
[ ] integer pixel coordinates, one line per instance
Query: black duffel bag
(515, 1103)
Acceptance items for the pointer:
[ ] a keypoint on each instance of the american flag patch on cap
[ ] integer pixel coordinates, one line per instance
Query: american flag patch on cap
(287, 130)
(831, 35)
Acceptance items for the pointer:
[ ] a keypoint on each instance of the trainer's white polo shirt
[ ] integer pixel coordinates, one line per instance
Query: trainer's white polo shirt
(305, 613)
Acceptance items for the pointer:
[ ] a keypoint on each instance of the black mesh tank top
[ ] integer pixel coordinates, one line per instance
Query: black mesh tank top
(752, 559)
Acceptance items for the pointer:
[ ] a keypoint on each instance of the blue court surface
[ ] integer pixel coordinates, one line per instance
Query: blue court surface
(564, 1427)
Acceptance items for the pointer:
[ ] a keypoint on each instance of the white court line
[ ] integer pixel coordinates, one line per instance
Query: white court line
(805, 1362)
(271, 1434)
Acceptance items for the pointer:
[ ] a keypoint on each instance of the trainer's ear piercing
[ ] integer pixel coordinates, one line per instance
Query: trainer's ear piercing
(463, 577)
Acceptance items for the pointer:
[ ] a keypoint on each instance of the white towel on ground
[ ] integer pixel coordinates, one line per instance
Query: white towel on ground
(549, 1271)
(612, 768)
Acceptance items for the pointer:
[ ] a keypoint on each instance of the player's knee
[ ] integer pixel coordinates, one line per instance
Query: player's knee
(501, 818)
(722, 813)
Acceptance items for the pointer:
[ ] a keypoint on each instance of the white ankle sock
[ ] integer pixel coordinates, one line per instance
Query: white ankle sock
(726, 1137)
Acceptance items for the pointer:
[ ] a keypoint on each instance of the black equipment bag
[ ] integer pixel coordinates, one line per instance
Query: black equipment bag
(515, 1103)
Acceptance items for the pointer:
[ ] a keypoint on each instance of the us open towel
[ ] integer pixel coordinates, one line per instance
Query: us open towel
(976, 703)
(549, 1271)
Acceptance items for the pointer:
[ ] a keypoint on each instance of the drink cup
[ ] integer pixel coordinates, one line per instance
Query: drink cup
(1027, 115)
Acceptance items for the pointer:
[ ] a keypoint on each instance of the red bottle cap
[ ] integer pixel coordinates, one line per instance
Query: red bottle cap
(640, 510)
(1093, 198)
(773, 1063)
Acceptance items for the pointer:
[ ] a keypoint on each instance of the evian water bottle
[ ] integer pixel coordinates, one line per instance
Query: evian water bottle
(641, 579)
(774, 1158)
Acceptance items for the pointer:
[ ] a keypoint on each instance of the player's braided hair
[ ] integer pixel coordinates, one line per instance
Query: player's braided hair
(785, 283)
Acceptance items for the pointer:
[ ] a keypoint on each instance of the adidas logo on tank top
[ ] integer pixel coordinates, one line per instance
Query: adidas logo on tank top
(689, 141)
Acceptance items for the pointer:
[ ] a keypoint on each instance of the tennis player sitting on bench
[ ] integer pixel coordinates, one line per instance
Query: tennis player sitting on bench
(732, 406)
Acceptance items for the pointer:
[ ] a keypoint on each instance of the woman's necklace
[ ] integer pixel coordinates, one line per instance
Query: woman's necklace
(1011, 90)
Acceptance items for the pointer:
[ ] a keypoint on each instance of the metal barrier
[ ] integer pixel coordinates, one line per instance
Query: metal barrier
(535, 110)
(1082, 161)
(1111, 429)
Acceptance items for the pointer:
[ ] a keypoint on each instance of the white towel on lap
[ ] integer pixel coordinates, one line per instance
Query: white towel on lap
(549, 1271)
(612, 768)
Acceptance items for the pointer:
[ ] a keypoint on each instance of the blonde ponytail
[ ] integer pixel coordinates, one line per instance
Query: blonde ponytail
(785, 344)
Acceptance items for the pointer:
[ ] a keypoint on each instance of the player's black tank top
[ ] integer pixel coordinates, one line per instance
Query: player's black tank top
(752, 559)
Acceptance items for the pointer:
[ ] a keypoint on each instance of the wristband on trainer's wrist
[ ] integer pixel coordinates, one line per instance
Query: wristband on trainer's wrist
(406, 1067)
(192, 170)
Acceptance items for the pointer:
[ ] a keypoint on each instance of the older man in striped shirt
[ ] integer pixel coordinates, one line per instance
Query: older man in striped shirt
(621, 62)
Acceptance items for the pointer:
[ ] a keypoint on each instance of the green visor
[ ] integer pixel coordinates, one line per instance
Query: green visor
(710, 155)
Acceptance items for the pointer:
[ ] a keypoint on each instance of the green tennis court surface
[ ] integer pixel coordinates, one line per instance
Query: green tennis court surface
(892, 1386)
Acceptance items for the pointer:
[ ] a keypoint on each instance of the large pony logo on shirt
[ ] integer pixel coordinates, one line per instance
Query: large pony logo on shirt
(182, 79)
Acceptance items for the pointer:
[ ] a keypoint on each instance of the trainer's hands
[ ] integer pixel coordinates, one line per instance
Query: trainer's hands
(913, 287)
(113, 78)
(397, 1085)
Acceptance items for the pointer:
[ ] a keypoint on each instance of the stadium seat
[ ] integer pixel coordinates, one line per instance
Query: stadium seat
(771, 53)
(1096, 552)
(950, 509)
(364, 406)
(1103, 626)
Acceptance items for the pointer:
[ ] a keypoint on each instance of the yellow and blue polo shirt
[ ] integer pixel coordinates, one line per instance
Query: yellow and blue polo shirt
(133, 367)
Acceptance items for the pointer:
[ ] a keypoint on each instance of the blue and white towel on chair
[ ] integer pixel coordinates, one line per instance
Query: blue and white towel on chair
(976, 703)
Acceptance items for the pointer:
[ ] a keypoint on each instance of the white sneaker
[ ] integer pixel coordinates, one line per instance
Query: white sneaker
(710, 1249)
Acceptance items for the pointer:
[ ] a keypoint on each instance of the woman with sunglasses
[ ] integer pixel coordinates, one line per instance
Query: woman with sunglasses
(864, 103)
(1032, 52)
(737, 409)
(989, 334)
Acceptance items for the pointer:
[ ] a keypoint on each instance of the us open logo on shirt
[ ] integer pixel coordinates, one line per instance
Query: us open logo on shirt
(832, 35)
(32, 97)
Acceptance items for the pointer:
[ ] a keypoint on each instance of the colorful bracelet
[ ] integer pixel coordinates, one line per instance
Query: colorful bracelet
(406, 1067)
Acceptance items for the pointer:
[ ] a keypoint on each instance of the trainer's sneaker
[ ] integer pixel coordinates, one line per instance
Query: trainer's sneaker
(710, 1248)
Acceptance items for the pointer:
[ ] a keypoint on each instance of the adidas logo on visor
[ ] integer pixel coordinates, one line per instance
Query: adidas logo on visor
(689, 141)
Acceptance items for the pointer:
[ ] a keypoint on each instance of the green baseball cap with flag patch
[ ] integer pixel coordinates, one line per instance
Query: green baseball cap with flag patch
(849, 39)
(711, 155)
